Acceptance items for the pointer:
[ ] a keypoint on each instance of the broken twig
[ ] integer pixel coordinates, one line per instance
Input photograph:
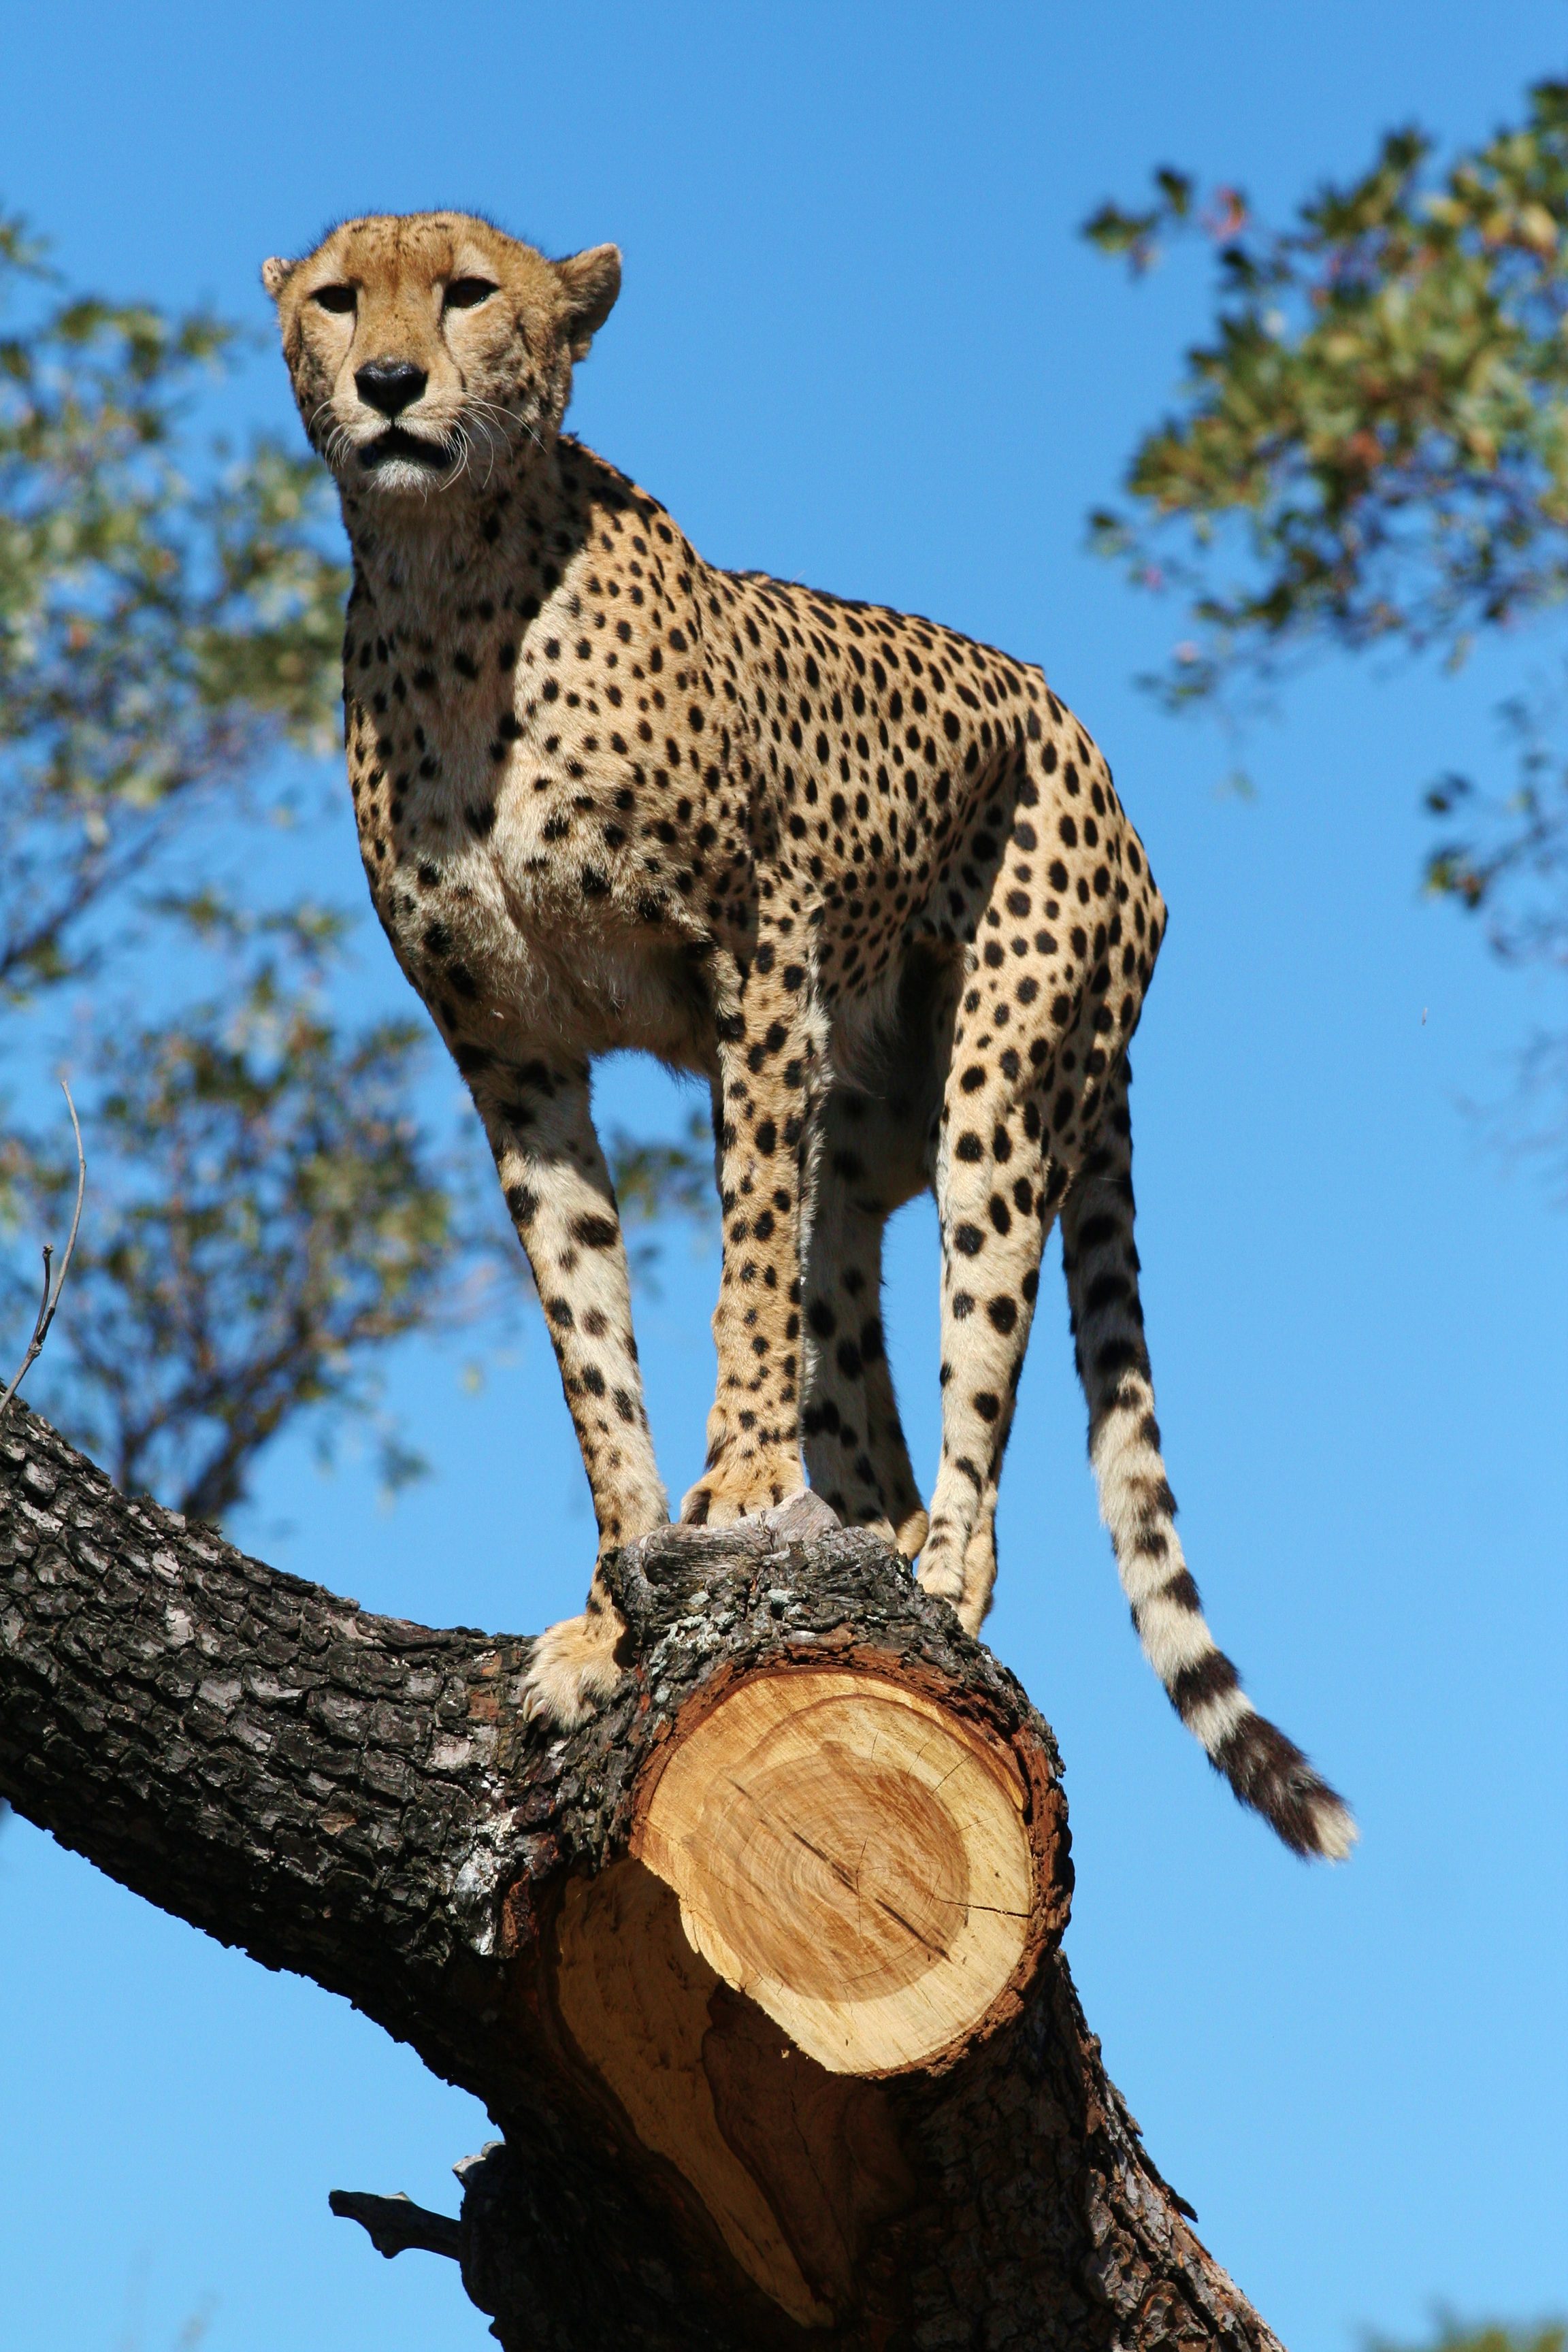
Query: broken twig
(52, 1288)
(396, 2223)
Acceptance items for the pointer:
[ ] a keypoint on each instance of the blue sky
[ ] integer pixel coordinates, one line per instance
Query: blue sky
(860, 344)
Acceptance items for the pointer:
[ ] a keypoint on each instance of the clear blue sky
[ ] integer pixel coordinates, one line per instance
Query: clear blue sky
(859, 344)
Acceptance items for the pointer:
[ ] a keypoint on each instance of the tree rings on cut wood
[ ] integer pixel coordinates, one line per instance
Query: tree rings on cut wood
(836, 1875)
(853, 1857)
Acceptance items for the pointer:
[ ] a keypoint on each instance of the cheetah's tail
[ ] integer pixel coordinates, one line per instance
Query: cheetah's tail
(1264, 1769)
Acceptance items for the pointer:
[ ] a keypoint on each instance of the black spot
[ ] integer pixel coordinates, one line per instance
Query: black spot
(1209, 1679)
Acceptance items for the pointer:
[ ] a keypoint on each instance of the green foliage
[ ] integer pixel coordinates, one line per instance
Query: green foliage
(1373, 449)
(157, 639)
(1135, 237)
(1450, 2335)
(1382, 408)
(269, 1217)
(1513, 856)
(266, 1215)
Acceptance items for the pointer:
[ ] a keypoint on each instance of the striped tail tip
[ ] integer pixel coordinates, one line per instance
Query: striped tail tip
(1264, 1770)
(1269, 1774)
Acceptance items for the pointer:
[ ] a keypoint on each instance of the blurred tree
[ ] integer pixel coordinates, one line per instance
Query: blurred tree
(1450, 2335)
(655, 1179)
(266, 1212)
(157, 639)
(1372, 449)
(269, 1214)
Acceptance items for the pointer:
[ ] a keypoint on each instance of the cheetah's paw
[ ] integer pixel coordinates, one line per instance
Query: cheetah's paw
(743, 1490)
(911, 1535)
(573, 1670)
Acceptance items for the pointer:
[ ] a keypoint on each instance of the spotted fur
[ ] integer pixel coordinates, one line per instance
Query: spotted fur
(869, 880)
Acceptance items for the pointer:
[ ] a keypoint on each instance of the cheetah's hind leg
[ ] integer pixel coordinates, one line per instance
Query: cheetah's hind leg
(980, 1564)
(995, 1202)
(870, 1162)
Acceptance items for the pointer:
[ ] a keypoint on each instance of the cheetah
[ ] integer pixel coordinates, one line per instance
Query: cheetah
(867, 878)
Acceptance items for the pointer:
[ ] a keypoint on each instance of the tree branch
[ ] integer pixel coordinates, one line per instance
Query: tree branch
(361, 1799)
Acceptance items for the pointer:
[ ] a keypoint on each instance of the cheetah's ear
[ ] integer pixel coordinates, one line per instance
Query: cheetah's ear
(589, 284)
(274, 276)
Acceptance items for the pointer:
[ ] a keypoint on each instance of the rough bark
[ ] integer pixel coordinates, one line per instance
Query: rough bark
(361, 1799)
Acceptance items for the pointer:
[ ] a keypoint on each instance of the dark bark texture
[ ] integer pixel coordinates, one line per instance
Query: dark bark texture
(361, 1799)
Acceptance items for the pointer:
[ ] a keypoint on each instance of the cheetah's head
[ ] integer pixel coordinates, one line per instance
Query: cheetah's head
(429, 352)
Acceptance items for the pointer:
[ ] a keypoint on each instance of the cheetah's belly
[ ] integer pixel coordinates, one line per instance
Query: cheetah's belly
(609, 990)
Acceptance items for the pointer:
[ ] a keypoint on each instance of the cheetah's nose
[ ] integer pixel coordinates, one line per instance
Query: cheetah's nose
(390, 386)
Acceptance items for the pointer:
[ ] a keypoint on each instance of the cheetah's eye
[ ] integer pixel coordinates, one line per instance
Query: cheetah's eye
(464, 293)
(335, 297)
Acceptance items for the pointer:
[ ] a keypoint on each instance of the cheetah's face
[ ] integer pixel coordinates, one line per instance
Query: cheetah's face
(430, 352)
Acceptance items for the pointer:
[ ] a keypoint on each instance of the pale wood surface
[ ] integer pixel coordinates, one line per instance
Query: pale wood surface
(795, 2166)
(852, 1858)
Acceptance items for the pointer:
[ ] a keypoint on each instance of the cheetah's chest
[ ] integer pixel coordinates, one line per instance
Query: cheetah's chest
(503, 949)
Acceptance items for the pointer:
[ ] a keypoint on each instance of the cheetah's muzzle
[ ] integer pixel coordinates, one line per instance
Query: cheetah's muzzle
(398, 441)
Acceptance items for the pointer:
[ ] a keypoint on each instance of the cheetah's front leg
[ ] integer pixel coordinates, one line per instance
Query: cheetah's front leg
(557, 1186)
(767, 1061)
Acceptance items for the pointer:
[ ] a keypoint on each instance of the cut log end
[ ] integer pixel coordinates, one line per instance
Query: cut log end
(833, 1876)
(852, 1857)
